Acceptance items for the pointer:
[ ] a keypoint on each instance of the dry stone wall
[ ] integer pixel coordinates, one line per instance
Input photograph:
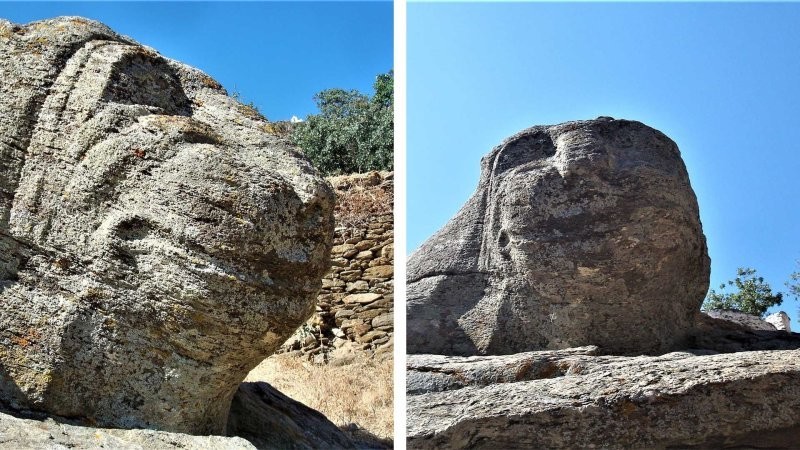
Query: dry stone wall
(355, 310)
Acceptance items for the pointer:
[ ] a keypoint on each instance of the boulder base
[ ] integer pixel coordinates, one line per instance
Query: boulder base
(261, 418)
(573, 399)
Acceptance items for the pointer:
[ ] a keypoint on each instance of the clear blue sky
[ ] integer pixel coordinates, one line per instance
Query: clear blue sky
(275, 54)
(722, 80)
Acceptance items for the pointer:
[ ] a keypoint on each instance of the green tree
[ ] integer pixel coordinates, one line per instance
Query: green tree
(754, 296)
(794, 286)
(794, 283)
(384, 89)
(352, 133)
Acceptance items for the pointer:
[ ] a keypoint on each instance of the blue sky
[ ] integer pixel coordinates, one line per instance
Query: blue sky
(722, 80)
(275, 54)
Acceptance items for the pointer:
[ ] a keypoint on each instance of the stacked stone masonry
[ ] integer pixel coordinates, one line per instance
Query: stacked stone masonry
(355, 309)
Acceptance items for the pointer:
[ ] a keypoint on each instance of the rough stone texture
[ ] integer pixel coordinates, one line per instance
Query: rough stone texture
(156, 243)
(780, 320)
(587, 233)
(434, 373)
(725, 336)
(355, 309)
(584, 233)
(271, 420)
(28, 434)
(751, 321)
(261, 417)
(677, 400)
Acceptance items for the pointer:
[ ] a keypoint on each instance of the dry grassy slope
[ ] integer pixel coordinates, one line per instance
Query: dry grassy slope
(356, 397)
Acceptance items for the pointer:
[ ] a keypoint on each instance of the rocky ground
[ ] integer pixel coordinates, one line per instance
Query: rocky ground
(27, 434)
(573, 399)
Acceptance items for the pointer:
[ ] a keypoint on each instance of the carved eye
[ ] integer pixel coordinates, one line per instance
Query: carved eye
(523, 149)
(503, 240)
(142, 78)
(133, 229)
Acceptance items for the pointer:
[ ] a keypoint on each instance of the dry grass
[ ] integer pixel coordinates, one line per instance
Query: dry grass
(358, 205)
(357, 397)
(281, 128)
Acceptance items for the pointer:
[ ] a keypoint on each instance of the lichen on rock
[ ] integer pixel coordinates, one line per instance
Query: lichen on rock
(560, 308)
(155, 243)
(583, 233)
(676, 400)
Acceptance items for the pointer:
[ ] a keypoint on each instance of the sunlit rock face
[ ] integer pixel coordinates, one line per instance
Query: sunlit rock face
(568, 399)
(583, 233)
(156, 242)
(780, 320)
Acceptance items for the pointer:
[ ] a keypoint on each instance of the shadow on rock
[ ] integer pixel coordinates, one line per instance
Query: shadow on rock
(364, 440)
(457, 295)
(12, 399)
(271, 420)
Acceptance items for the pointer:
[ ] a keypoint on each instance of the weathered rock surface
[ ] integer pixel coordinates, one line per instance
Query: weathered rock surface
(677, 400)
(261, 417)
(725, 336)
(584, 233)
(587, 233)
(780, 320)
(155, 242)
(28, 434)
(434, 373)
(748, 320)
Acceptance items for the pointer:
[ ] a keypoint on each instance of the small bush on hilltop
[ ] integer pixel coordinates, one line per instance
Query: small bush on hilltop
(754, 296)
(353, 133)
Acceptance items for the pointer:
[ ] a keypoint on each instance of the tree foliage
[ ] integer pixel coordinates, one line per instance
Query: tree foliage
(352, 133)
(753, 295)
(794, 283)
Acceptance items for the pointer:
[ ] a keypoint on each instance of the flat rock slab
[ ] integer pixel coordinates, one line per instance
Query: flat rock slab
(28, 434)
(271, 420)
(260, 418)
(433, 373)
(677, 400)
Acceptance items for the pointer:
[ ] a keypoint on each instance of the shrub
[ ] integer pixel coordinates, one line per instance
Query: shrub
(754, 296)
(353, 133)
(794, 283)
